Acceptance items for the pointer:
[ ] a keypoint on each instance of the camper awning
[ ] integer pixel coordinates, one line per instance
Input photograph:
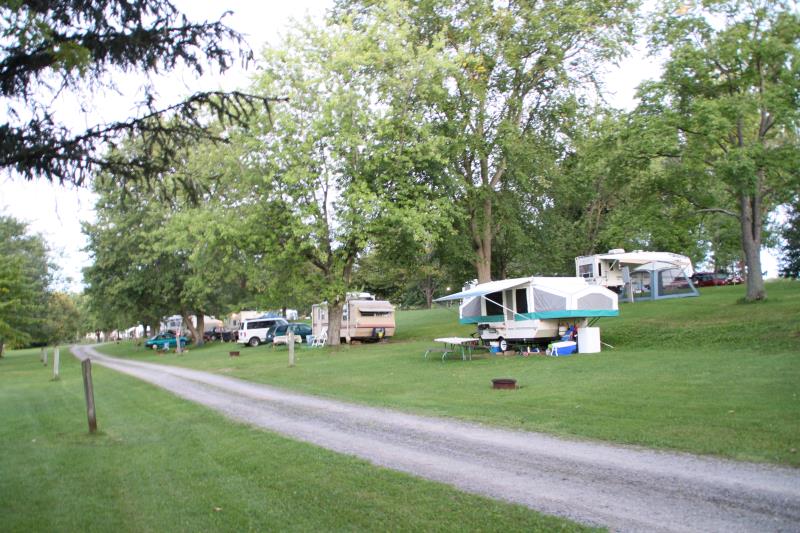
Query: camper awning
(377, 306)
(484, 288)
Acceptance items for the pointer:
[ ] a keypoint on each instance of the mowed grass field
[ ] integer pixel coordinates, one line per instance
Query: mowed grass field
(708, 375)
(159, 463)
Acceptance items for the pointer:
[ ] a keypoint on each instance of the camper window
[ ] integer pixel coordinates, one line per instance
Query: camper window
(494, 303)
(585, 271)
(522, 300)
(375, 313)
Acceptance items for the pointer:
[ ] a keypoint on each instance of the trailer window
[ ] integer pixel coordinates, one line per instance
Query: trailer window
(375, 313)
(522, 300)
(494, 303)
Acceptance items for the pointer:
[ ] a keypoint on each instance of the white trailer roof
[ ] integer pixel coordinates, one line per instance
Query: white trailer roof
(563, 284)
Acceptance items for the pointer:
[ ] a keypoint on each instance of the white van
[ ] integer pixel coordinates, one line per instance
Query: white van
(254, 330)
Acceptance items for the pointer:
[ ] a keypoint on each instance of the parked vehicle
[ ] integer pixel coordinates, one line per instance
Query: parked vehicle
(281, 333)
(254, 331)
(709, 279)
(219, 334)
(271, 334)
(165, 341)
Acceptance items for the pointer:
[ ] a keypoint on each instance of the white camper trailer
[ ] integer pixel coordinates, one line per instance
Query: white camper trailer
(607, 269)
(363, 318)
(531, 310)
(648, 275)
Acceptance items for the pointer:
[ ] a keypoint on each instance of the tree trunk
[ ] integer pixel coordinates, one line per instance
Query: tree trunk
(483, 242)
(201, 329)
(192, 329)
(334, 323)
(751, 221)
(427, 289)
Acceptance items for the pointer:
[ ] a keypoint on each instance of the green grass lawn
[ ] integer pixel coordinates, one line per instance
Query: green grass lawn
(163, 464)
(709, 375)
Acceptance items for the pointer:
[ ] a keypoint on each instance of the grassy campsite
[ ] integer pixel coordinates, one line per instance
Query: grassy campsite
(708, 375)
(162, 464)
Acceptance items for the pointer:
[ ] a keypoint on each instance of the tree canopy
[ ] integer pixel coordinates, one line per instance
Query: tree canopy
(428, 143)
(57, 49)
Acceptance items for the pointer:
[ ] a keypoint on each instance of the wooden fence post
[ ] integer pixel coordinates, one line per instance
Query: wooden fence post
(88, 389)
(56, 361)
(291, 348)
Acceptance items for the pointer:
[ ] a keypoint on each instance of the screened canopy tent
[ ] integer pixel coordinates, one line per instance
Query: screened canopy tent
(526, 309)
(658, 280)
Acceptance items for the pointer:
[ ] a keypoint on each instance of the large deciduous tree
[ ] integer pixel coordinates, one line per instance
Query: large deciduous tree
(510, 71)
(727, 109)
(59, 53)
(340, 162)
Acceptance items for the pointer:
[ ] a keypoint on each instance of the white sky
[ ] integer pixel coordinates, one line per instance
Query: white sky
(56, 212)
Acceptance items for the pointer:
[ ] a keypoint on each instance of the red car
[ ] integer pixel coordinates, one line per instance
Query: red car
(709, 279)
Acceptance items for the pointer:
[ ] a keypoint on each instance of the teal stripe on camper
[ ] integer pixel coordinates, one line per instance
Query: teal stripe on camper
(481, 319)
(541, 315)
(570, 314)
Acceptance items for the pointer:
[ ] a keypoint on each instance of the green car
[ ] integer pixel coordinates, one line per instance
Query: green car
(165, 341)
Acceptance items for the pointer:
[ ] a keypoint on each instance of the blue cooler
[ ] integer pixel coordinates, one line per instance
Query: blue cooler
(562, 348)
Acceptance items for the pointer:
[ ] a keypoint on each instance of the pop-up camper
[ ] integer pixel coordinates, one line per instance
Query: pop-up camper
(523, 310)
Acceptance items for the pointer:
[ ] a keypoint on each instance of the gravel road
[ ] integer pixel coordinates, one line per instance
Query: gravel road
(623, 488)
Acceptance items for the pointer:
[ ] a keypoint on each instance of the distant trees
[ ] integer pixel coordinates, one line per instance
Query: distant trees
(25, 275)
(154, 256)
(790, 248)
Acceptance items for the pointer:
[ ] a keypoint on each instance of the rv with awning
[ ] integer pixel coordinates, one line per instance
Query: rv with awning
(363, 318)
(533, 309)
(639, 274)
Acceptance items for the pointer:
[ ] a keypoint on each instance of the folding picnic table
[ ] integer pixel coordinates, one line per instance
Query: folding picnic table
(452, 344)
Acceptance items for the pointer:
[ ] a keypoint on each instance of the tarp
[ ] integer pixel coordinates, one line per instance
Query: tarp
(485, 288)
